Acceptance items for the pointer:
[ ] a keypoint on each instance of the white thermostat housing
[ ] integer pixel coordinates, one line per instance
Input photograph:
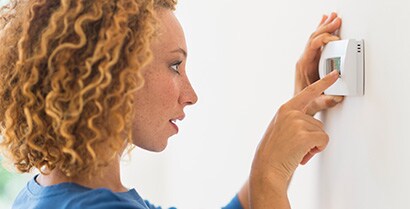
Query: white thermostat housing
(347, 57)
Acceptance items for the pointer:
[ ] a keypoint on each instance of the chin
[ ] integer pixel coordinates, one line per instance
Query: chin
(156, 147)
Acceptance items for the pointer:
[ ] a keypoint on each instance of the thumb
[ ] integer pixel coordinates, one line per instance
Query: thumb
(323, 102)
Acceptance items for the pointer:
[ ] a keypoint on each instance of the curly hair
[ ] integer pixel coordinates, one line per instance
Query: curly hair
(69, 72)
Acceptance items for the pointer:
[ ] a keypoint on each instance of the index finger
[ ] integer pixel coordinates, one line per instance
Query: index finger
(300, 101)
(324, 18)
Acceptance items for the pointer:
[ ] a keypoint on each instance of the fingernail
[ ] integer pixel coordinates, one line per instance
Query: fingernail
(335, 72)
(327, 19)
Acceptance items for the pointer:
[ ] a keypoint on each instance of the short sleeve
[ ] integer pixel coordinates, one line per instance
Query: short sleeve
(234, 204)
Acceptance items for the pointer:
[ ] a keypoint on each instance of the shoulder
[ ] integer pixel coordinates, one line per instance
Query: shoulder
(105, 199)
(70, 196)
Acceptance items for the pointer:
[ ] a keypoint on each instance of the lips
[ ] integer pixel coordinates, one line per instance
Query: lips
(174, 121)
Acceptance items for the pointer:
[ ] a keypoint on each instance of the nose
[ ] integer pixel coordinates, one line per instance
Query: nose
(188, 95)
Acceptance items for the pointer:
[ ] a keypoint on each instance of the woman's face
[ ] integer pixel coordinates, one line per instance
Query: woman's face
(167, 90)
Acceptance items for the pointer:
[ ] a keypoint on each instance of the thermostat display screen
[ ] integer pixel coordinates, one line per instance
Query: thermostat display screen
(333, 64)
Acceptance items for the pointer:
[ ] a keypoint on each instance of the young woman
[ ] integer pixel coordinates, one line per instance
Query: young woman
(80, 81)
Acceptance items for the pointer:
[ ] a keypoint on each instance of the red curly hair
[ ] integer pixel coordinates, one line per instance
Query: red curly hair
(68, 73)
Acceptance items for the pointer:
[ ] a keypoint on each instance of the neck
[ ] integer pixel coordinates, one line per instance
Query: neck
(109, 178)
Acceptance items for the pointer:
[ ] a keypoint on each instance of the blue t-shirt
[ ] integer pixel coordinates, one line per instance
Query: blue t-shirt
(74, 196)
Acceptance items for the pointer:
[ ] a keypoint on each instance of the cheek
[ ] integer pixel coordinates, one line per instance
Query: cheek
(162, 94)
(168, 96)
(155, 105)
(160, 91)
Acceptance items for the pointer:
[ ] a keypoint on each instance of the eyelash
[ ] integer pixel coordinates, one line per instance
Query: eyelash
(177, 64)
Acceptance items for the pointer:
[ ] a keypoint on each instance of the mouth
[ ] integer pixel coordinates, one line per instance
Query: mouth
(174, 122)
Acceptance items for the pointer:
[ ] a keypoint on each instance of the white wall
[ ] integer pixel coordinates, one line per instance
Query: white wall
(367, 164)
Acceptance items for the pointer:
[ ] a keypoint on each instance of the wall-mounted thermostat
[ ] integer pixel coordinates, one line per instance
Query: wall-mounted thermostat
(347, 57)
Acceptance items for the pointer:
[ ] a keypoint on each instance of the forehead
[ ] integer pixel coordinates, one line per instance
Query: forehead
(170, 32)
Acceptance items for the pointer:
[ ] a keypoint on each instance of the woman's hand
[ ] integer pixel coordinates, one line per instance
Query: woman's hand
(293, 137)
(307, 66)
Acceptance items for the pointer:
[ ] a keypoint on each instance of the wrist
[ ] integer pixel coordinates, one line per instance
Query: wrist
(243, 195)
(272, 182)
(268, 192)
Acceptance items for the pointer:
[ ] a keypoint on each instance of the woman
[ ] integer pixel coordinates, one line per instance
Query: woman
(83, 80)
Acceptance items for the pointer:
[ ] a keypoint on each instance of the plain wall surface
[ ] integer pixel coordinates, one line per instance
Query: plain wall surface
(367, 163)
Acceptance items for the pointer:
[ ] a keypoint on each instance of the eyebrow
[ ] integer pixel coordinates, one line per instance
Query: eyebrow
(180, 50)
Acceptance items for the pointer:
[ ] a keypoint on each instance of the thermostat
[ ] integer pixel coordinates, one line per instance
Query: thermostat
(347, 57)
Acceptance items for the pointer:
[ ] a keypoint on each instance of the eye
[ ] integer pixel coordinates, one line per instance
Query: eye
(175, 66)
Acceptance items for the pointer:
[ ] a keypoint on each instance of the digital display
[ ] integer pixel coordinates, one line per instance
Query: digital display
(333, 64)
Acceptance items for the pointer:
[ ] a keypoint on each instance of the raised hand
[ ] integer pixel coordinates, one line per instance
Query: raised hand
(293, 137)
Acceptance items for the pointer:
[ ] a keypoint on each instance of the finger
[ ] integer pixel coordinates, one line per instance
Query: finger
(324, 18)
(319, 141)
(322, 40)
(323, 102)
(314, 45)
(311, 92)
(306, 158)
(309, 156)
(314, 124)
(318, 144)
(332, 16)
(329, 27)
